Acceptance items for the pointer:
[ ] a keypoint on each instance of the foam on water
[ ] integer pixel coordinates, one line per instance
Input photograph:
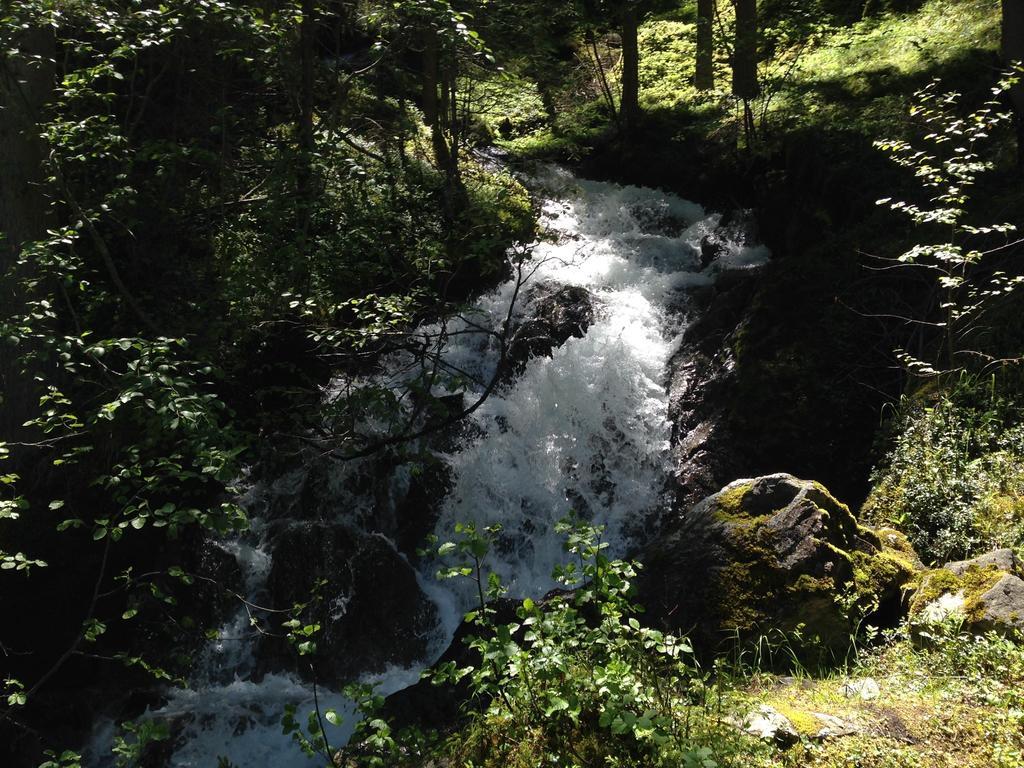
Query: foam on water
(586, 430)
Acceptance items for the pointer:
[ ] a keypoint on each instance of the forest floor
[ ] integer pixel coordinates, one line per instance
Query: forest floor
(901, 707)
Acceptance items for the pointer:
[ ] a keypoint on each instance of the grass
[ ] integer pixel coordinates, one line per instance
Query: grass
(858, 76)
(849, 77)
(957, 703)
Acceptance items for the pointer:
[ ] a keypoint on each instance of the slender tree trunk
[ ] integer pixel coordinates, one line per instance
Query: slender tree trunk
(630, 70)
(307, 54)
(430, 98)
(26, 87)
(744, 65)
(440, 112)
(1013, 53)
(602, 77)
(705, 75)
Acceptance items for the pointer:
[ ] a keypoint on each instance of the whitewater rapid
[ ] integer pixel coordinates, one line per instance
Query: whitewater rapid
(584, 430)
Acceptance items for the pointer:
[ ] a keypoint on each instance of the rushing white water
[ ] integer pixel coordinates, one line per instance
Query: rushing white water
(584, 430)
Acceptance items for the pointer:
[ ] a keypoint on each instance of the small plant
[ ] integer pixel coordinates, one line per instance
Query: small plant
(577, 678)
(953, 479)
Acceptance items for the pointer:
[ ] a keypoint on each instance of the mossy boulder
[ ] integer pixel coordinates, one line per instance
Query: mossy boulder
(985, 594)
(774, 553)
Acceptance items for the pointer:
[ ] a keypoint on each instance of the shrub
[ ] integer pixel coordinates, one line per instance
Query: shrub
(954, 477)
(577, 680)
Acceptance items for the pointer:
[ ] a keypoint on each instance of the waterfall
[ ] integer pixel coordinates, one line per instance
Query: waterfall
(584, 430)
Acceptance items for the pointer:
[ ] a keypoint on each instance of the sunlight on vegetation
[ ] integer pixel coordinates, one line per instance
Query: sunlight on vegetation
(510, 384)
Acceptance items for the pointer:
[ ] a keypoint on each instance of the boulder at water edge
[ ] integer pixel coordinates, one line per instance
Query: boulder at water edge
(773, 553)
(985, 594)
(362, 593)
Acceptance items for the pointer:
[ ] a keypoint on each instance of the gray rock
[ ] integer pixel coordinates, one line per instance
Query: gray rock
(1002, 607)
(866, 689)
(1002, 559)
(833, 727)
(945, 606)
(769, 724)
(986, 593)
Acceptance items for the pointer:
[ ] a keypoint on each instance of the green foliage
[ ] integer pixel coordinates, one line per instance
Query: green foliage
(947, 164)
(952, 479)
(66, 759)
(313, 739)
(130, 745)
(577, 679)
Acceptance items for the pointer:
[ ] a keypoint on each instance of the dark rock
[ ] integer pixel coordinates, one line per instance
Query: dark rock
(1002, 607)
(706, 451)
(440, 707)
(371, 609)
(772, 553)
(710, 250)
(558, 315)
(417, 511)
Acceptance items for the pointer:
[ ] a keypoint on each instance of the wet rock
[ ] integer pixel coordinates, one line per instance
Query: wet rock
(658, 219)
(706, 451)
(739, 227)
(418, 508)
(557, 316)
(440, 707)
(398, 497)
(221, 574)
(360, 590)
(711, 249)
(772, 553)
(986, 594)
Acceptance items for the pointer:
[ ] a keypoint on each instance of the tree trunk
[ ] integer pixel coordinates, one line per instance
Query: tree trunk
(630, 70)
(440, 112)
(25, 90)
(609, 98)
(431, 102)
(1013, 53)
(744, 64)
(705, 75)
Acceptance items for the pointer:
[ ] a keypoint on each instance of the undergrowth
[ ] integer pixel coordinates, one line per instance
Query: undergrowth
(577, 681)
(953, 479)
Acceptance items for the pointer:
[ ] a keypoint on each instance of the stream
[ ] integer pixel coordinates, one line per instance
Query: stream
(585, 429)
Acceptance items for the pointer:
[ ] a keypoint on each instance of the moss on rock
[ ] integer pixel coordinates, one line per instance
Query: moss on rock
(773, 553)
(969, 587)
